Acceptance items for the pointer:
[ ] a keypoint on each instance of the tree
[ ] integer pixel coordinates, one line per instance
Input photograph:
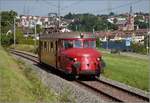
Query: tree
(138, 48)
(39, 29)
(7, 20)
(68, 16)
(7, 40)
(88, 22)
(111, 14)
(115, 20)
(142, 25)
(140, 22)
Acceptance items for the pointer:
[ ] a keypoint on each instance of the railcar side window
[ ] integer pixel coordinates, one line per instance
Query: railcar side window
(44, 45)
(86, 44)
(51, 45)
(48, 46)
(54, 46)
(78, 44)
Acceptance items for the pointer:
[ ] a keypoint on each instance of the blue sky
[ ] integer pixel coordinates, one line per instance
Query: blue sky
(42, 7)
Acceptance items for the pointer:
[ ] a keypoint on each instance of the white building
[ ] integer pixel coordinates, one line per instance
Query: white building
(30, 21)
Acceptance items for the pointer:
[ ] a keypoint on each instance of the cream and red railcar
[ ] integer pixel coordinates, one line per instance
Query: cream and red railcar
(72, 52)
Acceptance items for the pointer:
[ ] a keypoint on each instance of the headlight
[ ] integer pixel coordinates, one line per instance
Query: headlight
(75, 59)
(72, 59)
(99, 59)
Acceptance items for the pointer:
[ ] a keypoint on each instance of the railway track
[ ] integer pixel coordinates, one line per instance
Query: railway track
(113, 92)
(105, 90)
(25, 55)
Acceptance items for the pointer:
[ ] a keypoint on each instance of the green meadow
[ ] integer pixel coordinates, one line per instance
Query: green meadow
(129, 70)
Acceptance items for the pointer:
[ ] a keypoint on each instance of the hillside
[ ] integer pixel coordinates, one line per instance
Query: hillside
(19, 83)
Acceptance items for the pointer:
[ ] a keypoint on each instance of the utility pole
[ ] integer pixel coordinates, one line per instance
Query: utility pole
(14, 32)
(93, 31)
(35, 35)
(59, 13)
(76, 28)
(0, 25)
(0, 29)
(107, 37)
(109, 10)
(148, 34)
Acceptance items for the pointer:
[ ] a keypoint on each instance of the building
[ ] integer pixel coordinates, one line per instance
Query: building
(30, 21)
(126, 24)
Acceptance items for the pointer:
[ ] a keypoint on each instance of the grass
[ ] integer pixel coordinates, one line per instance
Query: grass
(19, 83)
(24, 47)
(128, 70)
(66, 96)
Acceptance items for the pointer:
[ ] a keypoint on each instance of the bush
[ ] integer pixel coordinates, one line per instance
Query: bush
(24, 47)
(138, 48)
(27, 41)
(98, 43)
(115, 51)
(7, 40)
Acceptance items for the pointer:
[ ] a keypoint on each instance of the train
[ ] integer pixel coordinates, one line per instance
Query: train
(73, 53)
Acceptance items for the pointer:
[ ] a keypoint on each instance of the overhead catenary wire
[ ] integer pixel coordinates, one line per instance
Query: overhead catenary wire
(120, 6)
(102, 10)
(59, 13)
(106, 9)
(52, 3)
(49, 3)
(72, 4)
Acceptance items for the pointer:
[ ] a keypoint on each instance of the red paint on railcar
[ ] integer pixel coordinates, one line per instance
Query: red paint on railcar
(87, 57)
(71, 52)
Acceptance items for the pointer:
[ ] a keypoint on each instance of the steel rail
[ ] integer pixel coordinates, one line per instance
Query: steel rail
(142, 97)
(111, 97)
(25, 55)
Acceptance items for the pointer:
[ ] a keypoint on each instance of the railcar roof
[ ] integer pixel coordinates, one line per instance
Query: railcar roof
(67, 35)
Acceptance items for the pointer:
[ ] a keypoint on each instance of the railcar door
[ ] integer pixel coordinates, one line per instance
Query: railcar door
(59, 50)
(53, 53)
(56, 53)
(39, 50)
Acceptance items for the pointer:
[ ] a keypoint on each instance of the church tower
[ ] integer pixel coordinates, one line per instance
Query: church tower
(130, 23)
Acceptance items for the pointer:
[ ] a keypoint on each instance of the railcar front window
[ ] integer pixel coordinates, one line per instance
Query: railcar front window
(78, 44)
(92, 44)
(68, 44)
(86, 44)
(89, 44)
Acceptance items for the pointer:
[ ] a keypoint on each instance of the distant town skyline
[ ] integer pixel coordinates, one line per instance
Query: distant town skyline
(43, 7)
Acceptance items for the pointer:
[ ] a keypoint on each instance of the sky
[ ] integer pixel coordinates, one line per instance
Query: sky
(43, 7)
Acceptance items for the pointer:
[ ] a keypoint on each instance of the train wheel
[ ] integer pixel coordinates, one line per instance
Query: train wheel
(98, 75)
(71, 77)
(40, 62)
(92, 77)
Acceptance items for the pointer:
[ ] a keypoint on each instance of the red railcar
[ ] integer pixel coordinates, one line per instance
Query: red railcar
(72, 52)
